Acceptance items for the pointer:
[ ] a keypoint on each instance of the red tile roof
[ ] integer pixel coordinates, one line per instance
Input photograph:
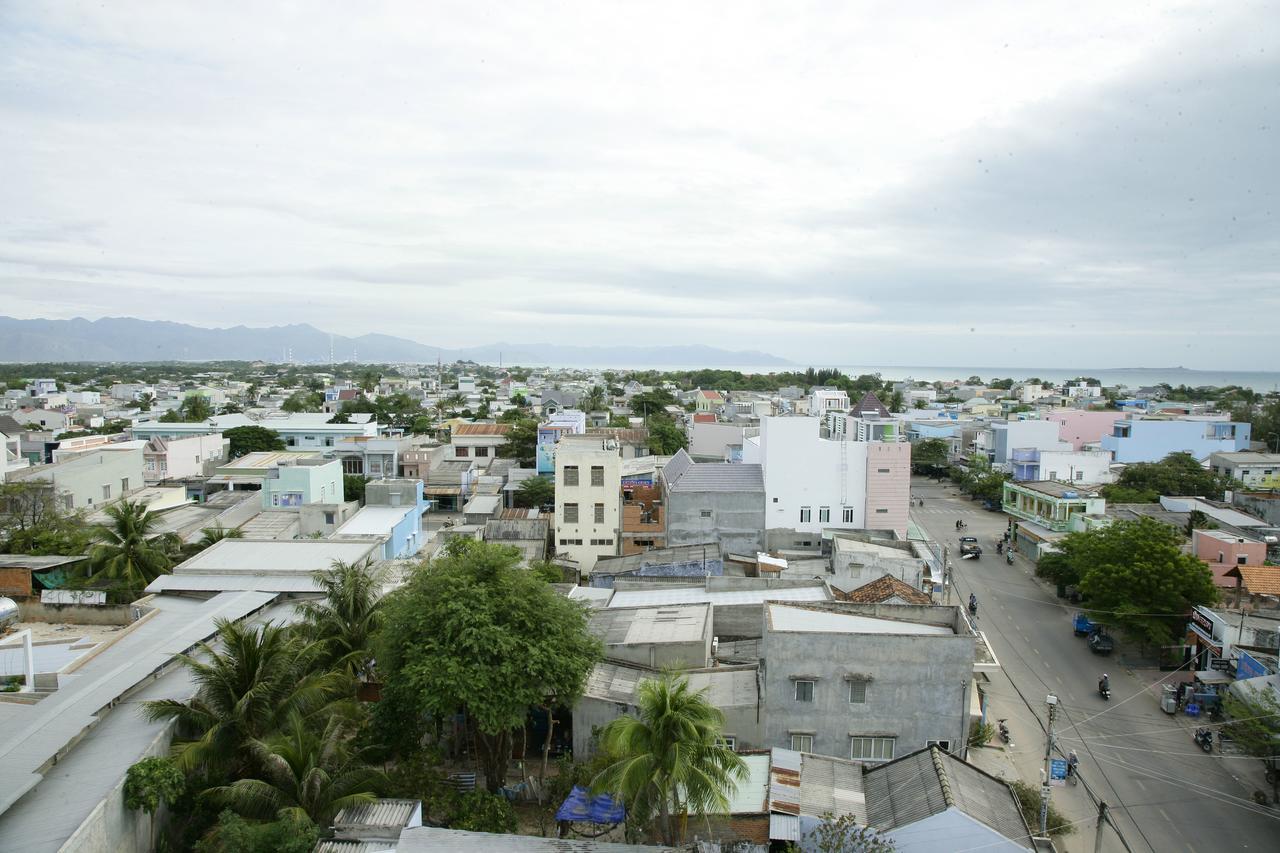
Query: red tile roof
(482, 429)
(885, 588)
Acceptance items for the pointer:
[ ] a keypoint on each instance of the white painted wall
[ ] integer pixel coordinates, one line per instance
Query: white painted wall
(803, 470)
(1076, 466)
(586, 452)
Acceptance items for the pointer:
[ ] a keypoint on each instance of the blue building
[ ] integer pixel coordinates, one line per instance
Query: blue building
(1150, 440)
(393, 513)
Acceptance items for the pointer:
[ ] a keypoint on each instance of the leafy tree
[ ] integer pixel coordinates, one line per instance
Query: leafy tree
(481, 811)
(1254, 726)
(231, 407)
(195, 408)
(844, 835)
(234, 834)
(548, 571)
(649, 403)
(619, 422)
(665, 438)
(1176, 474)
(1135, 575)
(308, 771)
(1117, 494)
(210, 536)
(303, 401)
(32, 523)
(353, 487)
(173, 416)
(150, 782)
(522, 442)
(246, 690)
(518, 400)
(128, 546)
(524, 646)
(145, 402)
(929, 456)
(346, 620)
(1265, 421)
(670, 759)
(535, 492)
(1028, 797)
(593, 400)
(252, 439)
(369, 380)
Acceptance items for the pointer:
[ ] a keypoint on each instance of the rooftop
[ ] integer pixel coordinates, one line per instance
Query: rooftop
(680, 595)
(717, 477)
(639, 625)
(374, 520)
(481, 429)
(1248, 458)
(297, 555)
(812, 620)
(885, 588)
(1054, 489)
(726, 686)
(429, 839)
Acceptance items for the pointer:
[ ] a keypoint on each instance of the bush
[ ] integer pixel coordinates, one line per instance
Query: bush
(480, 811)
(234, 834)
(980, 733)
(1029, 801)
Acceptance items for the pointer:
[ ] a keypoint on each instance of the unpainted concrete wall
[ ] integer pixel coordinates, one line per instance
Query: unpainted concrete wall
(33, 610)
(736, 522)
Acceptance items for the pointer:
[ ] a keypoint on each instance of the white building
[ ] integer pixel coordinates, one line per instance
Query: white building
(812, 483)
(588, 499)
(89, 479)
(823, 400)
(180, 458)
(1255, 470)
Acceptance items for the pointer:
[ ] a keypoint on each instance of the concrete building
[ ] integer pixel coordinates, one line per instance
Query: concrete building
(655, 637)
(588, 474)
(297, 482)
(1220, 547)
(478, 441)
(713, 502)
(11, 458)
(867, 682)
(814, 484)
(392, 514)
(824, 400)
(1082, 427)
(715, 442)
(182, 458)
(302, 431)
(1152, 439)
(1007, 436)
(707, 401)
(550, 431)
(1060, 507)
(1255, 470)
(88, 479)
(1071, 466)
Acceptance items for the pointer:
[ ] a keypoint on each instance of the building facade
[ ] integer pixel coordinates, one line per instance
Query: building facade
(588, 474)
(1152, 439)
(714, 502)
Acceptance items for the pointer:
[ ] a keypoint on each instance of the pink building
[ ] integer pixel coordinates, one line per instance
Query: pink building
(1216, 547)
(888, 485)
(1080, 427)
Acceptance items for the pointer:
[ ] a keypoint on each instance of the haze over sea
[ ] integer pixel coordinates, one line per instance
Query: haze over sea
(1132, 378)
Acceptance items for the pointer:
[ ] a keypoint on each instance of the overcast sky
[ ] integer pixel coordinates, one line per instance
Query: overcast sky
(1087, 184)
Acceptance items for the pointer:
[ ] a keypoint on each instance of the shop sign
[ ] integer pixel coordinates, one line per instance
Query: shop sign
(1207, 624)
(1248, 666)
(1220, 665)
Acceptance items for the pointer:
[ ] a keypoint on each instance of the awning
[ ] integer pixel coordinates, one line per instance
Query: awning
(579, 806)
(1212, 676)
(441, 490)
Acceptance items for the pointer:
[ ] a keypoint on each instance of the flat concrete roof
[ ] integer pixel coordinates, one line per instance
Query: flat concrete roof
(296, 555)
(644, 625)
(695, 595)
(812, 621)
(374, 520)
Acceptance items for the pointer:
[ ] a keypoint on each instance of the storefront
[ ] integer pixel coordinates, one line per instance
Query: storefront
(1206, 637)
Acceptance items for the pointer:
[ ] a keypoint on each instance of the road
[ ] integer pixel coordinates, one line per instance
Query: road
(1163, 792)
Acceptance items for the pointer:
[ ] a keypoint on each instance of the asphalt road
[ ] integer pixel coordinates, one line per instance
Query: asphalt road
(1164, 793)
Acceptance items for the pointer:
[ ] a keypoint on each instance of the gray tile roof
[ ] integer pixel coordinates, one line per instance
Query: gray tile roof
(930, 781)
(713, 476)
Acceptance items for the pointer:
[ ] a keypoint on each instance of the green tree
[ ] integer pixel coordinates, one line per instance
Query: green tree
(1253, 725)
(1028, 797)
(234, 834)
(196, 407)
(897, 402)
(369, 380)
(525, 646)
(303, 401)
(1135, 575)
(246, 689)
(665, 438)
(129, 547)
(307, 771)
(150, 782)
(518, 400)
(31, 522)
(844, 835)
(593, 400)
(930, 456)
(353, 486)
(210, 536)
(522, 442)
(535, 492)
(346, 620)
(145, 401)
(669, 760)
(1176, 474)
(252, 439)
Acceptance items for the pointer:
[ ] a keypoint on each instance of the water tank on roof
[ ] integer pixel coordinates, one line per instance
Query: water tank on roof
(1069, 494)
(8, 614)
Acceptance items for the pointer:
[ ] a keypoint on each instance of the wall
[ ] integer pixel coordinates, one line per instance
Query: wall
(1079, 427)
(708, 441)
(803, 470)
(1076, 466)
(888, 486)
(314, 483)
(83, 477)
(1264, 506)
(1013, 435)
(585, 454)
(1153, 440)
(185, 457)
(736, 522)
(1208, 547)
(918, 690)
(33, 610)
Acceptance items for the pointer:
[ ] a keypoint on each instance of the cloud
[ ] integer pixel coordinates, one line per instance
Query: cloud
(847, 182)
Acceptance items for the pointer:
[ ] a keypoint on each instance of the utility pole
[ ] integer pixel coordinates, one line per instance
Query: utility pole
(1052, 701)
(1102, 819)
(946, 575)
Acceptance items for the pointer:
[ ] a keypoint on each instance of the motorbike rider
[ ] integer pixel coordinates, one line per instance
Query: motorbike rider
(1000, 547)
(973, 603)
(1072, 761)
(1104, 683)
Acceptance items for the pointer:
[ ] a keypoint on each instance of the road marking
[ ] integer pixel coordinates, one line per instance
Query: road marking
(1037, 651)
(1164, 814)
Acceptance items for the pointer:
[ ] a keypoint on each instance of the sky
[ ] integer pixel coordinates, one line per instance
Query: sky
(1093, 183)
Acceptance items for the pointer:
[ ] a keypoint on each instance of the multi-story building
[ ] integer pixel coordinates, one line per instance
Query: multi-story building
(181, 458)
(1081, 427)
(1255, 470)
(1049, 510)
(1072, 466)
(1144, 439)
(866, 681)
(1006, 436)
(588, 473)
(550, 431)
(88, 479)
(477, 441)
(824, 400)
(714, 502)
(813, 483)
(296, 482)
(707, 401)
(304, 431)
(1222, 547)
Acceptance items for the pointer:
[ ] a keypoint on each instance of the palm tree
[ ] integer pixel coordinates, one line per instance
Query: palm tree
(213, 535)
(305, 772)
(246, 691)
(129, 547)
(196, 407)
(593, 400)
(349, 615)
(670, 759)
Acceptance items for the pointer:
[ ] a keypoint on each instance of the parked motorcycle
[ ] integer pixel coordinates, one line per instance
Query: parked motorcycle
(1004, 732)
(1204, 737)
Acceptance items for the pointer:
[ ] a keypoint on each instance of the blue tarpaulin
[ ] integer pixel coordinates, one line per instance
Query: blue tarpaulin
(579, 806)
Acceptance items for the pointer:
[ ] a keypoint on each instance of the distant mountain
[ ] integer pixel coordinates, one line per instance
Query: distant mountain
(130, 339)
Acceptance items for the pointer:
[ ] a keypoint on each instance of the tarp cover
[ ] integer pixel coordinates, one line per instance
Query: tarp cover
(579, 806)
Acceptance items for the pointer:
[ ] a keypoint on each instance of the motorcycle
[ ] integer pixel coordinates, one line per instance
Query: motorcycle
(1104, 690)
(973, 608)
(1008, 557)
(1000, 547)
(1204, 738)
(1004, 732)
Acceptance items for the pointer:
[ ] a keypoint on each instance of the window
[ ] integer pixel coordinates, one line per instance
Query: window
(106, 493)
(882, 512)
(599, 514)
(1079, 475)
(882, 470)
(846, 515)
(570, 513)
(730, 741)
(871, 748)
(706, 513)
(824, 514)
(482, 452)
(775, 500)
(597, 475)
(857, 692)
(571, 475)
(942, 744)
(804, 691)
(124, 485)
(608, 542)
(462, 452)
(805, 514)
(1242, 559)
(328, 518)
(802, 743)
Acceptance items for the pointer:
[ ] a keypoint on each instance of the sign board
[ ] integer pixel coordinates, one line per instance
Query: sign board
(1220, 665)
(1058, 772)
(1248, 666)
(1208, 624)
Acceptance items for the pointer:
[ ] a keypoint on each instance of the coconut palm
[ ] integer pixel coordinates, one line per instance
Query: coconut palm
(211, 536)
(348, 616)
(303, 772)
(670, 759)
(129, 547)
(593, 400)
(246, 690)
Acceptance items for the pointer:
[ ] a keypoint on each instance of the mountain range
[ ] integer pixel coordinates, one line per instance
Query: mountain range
(133, 340)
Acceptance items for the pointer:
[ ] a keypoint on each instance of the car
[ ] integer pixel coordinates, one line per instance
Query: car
(1100, 642)
(969, 547)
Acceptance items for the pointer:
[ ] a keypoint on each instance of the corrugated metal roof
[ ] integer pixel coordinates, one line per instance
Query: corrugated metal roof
(680, 624)
(430, 839)
(696, 595)
(300, 555)
(752, 795)
(482, 429)
(378, 814)
(831, 785)
(331, 845)
(784, 827)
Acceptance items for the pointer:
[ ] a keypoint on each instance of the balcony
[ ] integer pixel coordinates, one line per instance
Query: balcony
(1024, 455)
